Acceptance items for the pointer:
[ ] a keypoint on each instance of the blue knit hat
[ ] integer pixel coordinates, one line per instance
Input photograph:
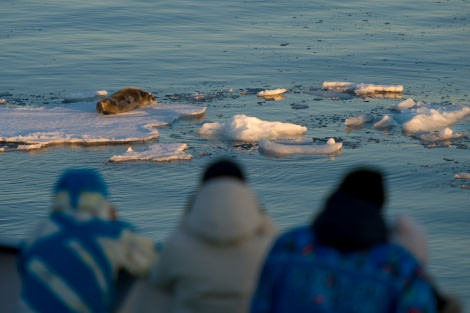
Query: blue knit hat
(81, 189)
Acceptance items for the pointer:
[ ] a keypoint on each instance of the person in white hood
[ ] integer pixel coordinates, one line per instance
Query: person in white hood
(210, 263)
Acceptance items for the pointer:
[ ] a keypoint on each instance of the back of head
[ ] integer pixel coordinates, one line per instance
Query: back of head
(225, 210)
(81, 190)
(223, 168)
(365, 184)
(352, 217)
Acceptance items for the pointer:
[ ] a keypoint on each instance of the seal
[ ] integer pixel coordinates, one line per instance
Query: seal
(125, 100)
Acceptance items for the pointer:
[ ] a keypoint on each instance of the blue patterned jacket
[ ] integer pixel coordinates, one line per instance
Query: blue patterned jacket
(302, 275)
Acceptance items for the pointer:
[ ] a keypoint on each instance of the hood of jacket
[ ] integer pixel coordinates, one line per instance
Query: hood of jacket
(349, 223)
(224, 211)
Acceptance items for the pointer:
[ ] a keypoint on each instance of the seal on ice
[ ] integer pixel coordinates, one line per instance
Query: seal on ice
(125, 100)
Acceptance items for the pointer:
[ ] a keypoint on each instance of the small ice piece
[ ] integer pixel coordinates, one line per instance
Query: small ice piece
(405, 104)
(271, 147)
(359, 120)
(3, 101)
(272, 92)
(361, 88)
(384, 123)
(462, 176)
(370, 88)
(444, 134)
(155, 153)
(130, 149)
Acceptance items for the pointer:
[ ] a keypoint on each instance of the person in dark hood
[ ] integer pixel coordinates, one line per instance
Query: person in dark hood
(344, 261)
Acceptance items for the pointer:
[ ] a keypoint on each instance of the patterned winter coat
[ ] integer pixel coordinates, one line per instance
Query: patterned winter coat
(357, 271)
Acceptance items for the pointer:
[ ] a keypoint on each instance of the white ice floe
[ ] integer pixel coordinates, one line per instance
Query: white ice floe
(361, 88)
(405, 104)
(385, 123)
(156, 153)
(3, 101)
(276, 148)
(431, 118)
(359, 120)
(246, 128)
(29, 128)
(462, 176)
(272, 92)
(444, 134)
(83, 96)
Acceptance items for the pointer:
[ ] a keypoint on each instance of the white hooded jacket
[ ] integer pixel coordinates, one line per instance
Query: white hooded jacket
(211, 262)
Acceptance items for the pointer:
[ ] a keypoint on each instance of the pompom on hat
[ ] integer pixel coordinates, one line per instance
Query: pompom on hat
(82, 190)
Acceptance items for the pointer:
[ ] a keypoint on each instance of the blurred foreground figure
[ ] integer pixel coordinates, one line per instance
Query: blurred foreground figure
(344, 261)
(411, 235)
(71, 260)
(210, 263)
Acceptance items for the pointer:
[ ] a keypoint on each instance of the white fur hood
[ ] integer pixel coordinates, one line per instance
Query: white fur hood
(224, 210)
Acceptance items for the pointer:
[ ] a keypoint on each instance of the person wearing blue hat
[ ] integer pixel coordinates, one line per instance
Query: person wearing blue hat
(71, 260)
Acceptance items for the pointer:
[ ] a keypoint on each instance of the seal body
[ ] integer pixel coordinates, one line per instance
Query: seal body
(125, 100)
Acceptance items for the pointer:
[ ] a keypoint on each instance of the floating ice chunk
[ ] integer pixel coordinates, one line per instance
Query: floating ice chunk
(78, 123)
(427, 118)
(155, 153)
(444, 134)
(359, 120)
(361, 88)
(384, 123)
(370, 88)
(462, 176)
(272, 147)
(246, 128)
(272, 92)
(84, 95)
(405, 104)
(3, 101)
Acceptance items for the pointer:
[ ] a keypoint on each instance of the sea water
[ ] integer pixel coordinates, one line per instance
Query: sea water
(207, 53)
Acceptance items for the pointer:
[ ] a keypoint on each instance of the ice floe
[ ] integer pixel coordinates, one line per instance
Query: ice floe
(28, 128)
(359, 120)
(431, 117)
(385, 123)
(156, 153)
(462, 176)
(272, 92)
(361, 88)
(405, 104)
(304, 147)
(444, 134)
(247, 128)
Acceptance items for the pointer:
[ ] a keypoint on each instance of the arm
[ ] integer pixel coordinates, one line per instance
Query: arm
(137, 253)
